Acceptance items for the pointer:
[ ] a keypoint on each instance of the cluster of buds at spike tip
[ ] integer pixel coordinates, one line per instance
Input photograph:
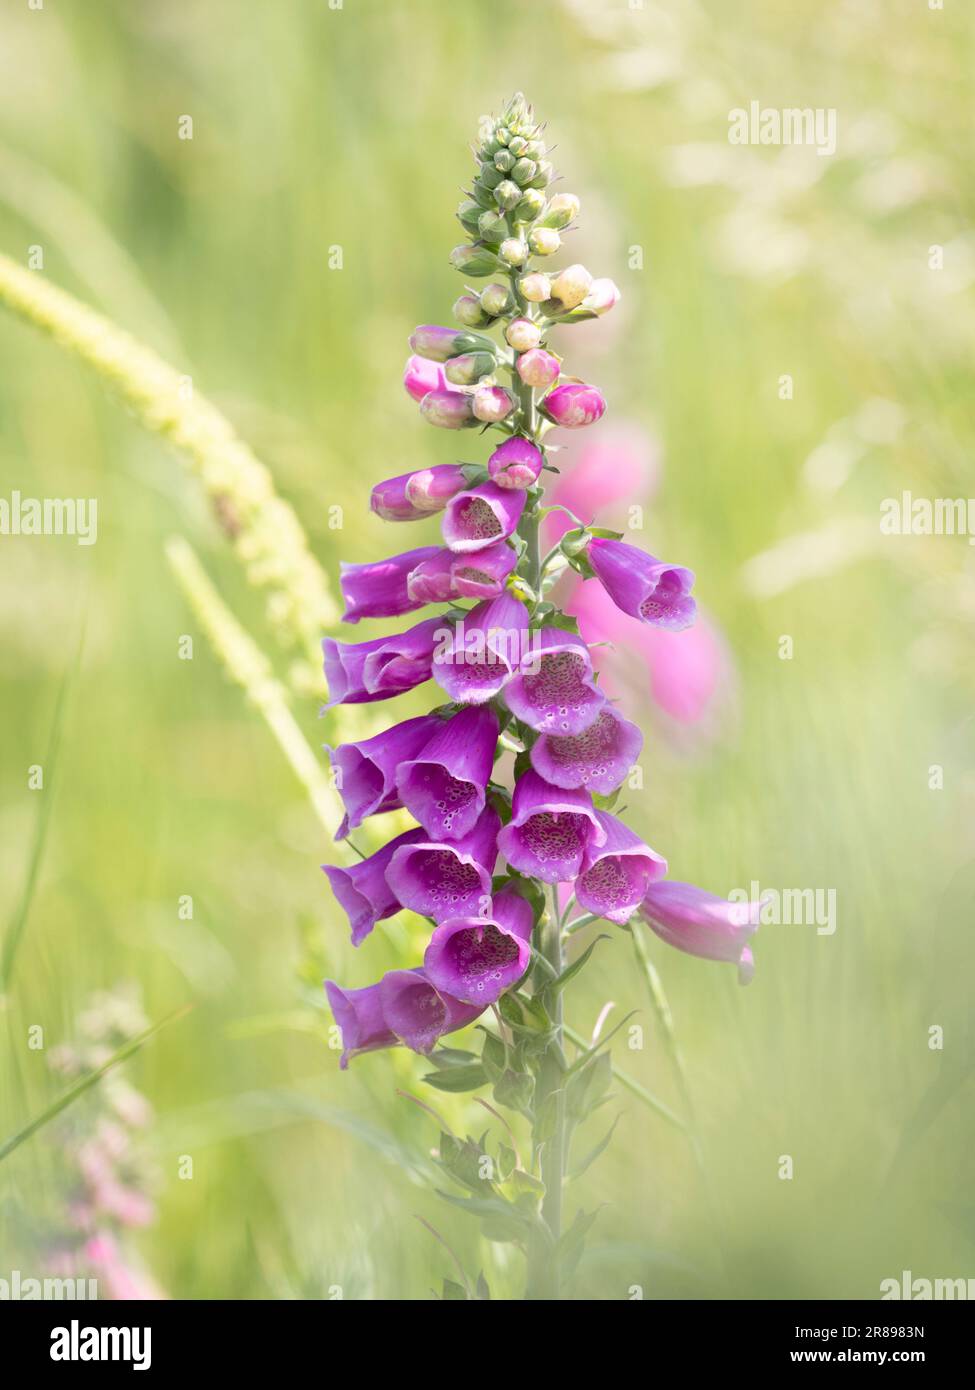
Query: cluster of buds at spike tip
(514, 672)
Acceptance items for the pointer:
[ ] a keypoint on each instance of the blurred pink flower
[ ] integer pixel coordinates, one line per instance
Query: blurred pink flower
(620, 467)
(689, 673)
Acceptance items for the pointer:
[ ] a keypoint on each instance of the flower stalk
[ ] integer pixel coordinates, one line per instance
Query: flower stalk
(487, 861)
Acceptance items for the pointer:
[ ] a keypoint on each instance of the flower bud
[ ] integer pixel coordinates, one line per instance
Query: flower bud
(536, 368)
(468, 214)
(536, 288)
(474, 260)
(492, 404)
(450, 410)
(523, 171)
(495, 299)
(502, 135)
(572, 285)
(561, 211)
(507, 195)
(513, 251)
(483, 196)
(517, 145)
(573, 405)
(414, 495)
(544, 176)
(421, 375)
(516, 463)
(522, 334)
(532, 202)
(544, 241)
(489, 176)
(467, 310)
(492, 227)
(503, 160)
(470, 367)
(437, 343)
(603, 295)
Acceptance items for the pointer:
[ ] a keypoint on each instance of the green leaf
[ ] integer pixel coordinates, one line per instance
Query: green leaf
(443, 1057)
(578, 964)
(457, 1078)
(515, 1089)
(481, 1288)
(573, 1240)
(494, 1056)
(453, 1292)
(587, 1087)
(577, 1169)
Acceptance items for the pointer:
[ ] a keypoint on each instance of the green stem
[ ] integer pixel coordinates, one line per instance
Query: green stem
(549, 1129)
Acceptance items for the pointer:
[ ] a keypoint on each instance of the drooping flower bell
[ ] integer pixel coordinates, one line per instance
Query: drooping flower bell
(476, 519)
(551, 830)
(361, 672)
(379, 588)
(447, 878)
(554, 690)
(449, 574)
(419, 1014)
(702, 924)
(444, 784)
(484, 650)
(365, 772)
(617, 874)
(362, 890)
(475, 958)
(598, 759)
(642, 586)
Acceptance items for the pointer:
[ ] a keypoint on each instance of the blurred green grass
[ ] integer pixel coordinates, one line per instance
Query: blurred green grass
(316, 128)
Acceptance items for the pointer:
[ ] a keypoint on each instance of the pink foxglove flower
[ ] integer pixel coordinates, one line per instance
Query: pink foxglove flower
(617, 874)
(418, 1014)
(412, 496)
(516, 463)
(554, 689)
(479, 518)
(477, 657)
(379, 588)
(476, 958)
(360, 672)
(444, 784)
(573, 405)
(598, 759)
(452, 574)
(702, 924)
(552, 829)
(365, 772)
(447, 878)
(645, 588)
(362, 890)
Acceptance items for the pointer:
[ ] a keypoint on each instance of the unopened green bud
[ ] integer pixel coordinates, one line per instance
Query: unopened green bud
(532, 202)
(502, 135)
(561, 211)
(468, 311)
(476, 261)
(489, 176)
(524, 171)
(503, 160)
(517, 145)
(544, 176)
(544, 241)
(492, 226)
(513, 251)
(483, 196)
(469, 368)
(507, 195)
(571, 285)
(495, 299)
(467, 214)
(536, 288)
(534, 149)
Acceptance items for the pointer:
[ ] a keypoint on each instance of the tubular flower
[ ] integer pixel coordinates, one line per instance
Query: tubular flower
(448, 575)
(506, 777)
(551, 830)
(475, 958)
(645, 588)
(598, 759)
(702, 924)
(412, 496)
(362, 889)
(361, 672)
(479, 655)
(617, 874)
(476, 519)
(554, 690)
(379, 588)
(365, 772)
(444, 784)
(442, 879)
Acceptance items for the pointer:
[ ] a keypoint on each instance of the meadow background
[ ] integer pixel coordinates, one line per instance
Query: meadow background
(314, 128)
